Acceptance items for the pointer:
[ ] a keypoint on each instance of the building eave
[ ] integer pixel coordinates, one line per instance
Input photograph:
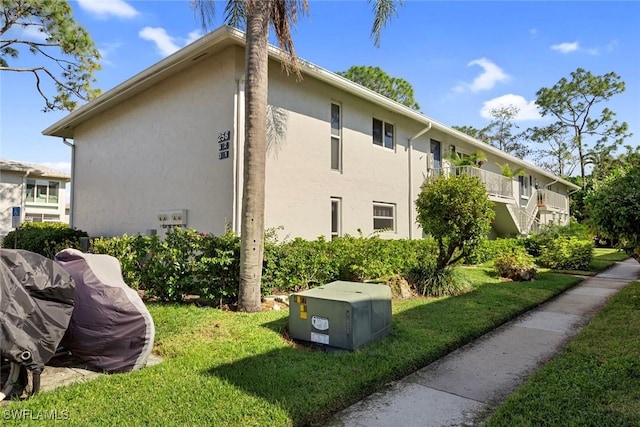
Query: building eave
(33, 170)
(226, 36)
(172, 64)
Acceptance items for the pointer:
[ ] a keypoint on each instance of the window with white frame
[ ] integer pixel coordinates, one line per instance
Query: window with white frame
(384, 216)
(336, 138)
(36, 217)
(42, 191)
(336, 217)
(383, 134)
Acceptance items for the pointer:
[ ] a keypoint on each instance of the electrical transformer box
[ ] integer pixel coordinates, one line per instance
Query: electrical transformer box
(341, 314)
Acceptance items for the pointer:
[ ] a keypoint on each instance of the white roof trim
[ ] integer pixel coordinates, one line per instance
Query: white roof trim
(33, 170)
(226, 36)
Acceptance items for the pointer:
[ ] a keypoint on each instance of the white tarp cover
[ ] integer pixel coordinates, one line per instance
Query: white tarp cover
(36, 302)
(110, 329)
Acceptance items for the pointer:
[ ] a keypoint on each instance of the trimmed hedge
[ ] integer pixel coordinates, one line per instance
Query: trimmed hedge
(187, 262)
(488, 250)
(567, 253)
(44, 238)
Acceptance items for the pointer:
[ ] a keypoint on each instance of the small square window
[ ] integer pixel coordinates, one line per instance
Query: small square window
(383, 134)
(383, 216)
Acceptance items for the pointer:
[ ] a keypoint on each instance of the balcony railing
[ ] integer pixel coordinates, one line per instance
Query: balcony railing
(496, 184)
(551, 200)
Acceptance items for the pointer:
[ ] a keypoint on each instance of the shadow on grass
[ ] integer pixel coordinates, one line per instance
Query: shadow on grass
(311, 385)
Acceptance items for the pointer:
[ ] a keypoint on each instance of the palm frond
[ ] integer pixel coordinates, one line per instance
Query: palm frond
(383, 10)
(206, 12)
(235, 13)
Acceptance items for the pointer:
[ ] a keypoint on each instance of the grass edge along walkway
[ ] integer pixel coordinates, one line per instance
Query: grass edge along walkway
(594, 381)
(225, 368)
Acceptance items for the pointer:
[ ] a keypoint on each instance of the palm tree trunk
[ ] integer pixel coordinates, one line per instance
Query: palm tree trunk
(253, 197)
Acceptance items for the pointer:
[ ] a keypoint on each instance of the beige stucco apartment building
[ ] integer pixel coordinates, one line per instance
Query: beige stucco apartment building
(37, 190)
(165, 147)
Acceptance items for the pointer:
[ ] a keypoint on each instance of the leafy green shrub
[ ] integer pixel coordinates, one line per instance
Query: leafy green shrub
(297, 265)
(515, 264)
(131, 251)
(362, 258)
(457, 213)
(429, 280)
(45, 238)
(567, 253)
(548, 233)
(185, 262)
(217, 278)
(488, 250)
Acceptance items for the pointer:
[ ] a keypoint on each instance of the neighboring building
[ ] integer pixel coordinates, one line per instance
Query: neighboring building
(165, 148)
(38, 191)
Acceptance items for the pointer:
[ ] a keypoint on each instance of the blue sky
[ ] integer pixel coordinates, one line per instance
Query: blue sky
(462, 58)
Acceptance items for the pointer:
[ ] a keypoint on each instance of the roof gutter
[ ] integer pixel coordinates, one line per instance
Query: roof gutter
(73, 178)
(224, 35)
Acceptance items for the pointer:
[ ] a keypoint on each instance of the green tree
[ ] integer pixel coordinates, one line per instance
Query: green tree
(501, 132)
(457, 213)
(377, 80)
(572, 103)
(505, 170)
(69, 57)
(557, 157)
(614, 208)
(478, 158)
(259, 16)
(479, 134)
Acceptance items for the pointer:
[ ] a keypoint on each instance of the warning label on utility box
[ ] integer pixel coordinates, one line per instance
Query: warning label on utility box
(320, 323)
(319, 338)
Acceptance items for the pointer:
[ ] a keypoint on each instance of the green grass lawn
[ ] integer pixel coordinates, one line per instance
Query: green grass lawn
(225, 368)
(604, 258)
(595, 381)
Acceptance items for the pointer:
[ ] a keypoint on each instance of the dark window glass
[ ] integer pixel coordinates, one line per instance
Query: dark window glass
(335, 119)
(377, 132)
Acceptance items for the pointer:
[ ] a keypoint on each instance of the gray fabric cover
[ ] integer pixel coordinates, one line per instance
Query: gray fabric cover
(36, 302)
(110, 329)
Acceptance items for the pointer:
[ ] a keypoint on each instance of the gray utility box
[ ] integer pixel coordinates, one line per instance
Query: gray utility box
(341, 314)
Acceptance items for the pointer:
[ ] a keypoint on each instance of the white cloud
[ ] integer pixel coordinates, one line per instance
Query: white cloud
(165, 43)
(491, 75)
(528, 110)
(565, 47)
(33, 32)
(60, 166)
(106, 50)
(193, 36)
(612, 45)
(102, 9)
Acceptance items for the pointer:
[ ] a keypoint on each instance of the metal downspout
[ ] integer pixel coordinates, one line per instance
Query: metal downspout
(410, 192)
(73, 179)
(23, 197)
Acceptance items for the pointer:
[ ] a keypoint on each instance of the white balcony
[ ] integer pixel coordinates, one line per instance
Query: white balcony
(551, 200)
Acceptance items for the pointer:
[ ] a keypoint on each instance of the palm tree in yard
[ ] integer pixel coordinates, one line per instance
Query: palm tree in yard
(259, 16)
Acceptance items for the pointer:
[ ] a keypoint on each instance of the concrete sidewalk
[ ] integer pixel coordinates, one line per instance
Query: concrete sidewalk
(455, 389)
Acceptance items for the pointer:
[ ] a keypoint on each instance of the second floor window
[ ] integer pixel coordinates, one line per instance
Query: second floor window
(383, 134)
(42, 191)
(336, 138)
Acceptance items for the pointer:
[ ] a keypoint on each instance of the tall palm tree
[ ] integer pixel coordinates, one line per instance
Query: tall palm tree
(259, 16)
